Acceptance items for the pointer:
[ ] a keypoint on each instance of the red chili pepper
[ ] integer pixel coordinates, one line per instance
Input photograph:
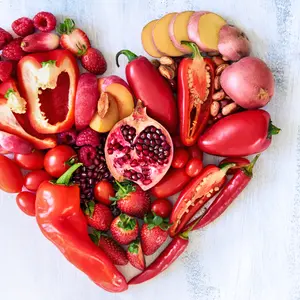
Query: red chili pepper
(240, 134)
(62, 221)
(239, 162)
(195, 90)
(228, 194)
(150, 87)
(195, 195)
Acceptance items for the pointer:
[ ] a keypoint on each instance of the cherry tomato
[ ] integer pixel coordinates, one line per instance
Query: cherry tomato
(180, 158)
(32, 161)
(56, 160)
(162, 207)
(103, 191)
(195, 152)
(11, 178)
(194, 167)
(239, 161)
(35, 178)
(26, 202)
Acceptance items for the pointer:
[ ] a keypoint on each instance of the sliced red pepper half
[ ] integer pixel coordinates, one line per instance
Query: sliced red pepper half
(48, 82)
(195, 90)
(10, 124)
(194, 196)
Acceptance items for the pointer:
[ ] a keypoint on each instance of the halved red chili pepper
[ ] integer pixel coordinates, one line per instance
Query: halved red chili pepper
(195, 90)
(228, 194)
(196, 194)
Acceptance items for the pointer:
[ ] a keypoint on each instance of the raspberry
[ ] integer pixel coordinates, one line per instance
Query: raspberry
(13, 50)
(88, 137)
(44, 21)
(6, 68)
(23, 26)
(5, 38)
(87, 154)
(67, 137)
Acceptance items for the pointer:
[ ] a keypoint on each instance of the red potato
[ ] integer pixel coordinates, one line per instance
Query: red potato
(87, 97)
(248, 82)
(233, 43)
(106, 81)
(40, 41)
(11, 143)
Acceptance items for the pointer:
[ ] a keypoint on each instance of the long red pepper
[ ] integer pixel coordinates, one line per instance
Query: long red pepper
(228, 194)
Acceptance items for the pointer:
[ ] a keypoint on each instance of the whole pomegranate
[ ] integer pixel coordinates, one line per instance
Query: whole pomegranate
(139, 149)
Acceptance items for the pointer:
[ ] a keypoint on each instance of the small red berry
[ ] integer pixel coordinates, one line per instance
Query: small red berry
(6, 68)
(5, 38)
(94, 61)
(88, 136)
(87, 154)
(13, 50)
(44, 21)
(23, 26)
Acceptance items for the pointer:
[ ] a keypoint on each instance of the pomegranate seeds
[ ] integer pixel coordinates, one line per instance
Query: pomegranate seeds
(44, 21)
(23, 26)
(5, 38)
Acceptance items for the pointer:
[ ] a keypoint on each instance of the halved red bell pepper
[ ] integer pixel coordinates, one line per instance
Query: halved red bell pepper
(192, 198)
(195, 90)
(48, 81)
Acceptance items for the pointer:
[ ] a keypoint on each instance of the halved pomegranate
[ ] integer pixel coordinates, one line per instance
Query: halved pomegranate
(139, 149)
(48, 82)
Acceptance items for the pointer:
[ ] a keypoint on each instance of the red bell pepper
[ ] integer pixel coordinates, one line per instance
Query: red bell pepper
(241, 134)
(62, 221)
(195, 90)
(48, 81)
(195, 195)
(10, 124)
(149, 86)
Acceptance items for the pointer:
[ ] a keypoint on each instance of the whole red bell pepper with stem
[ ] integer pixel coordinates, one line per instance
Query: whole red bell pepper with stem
(149, 86)
(241, 134)
(48, 81)
(195, 89)
(194, 196)
(62, 221)
(228, 194)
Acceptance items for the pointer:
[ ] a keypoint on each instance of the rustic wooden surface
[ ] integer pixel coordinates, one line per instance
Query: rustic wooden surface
(253, 251)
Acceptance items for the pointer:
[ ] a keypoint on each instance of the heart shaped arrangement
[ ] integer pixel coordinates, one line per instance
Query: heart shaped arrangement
(96, 159)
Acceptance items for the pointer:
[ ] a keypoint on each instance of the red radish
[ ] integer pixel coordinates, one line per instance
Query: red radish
(106, 81)
(249, 82)
(87, 97)
(233, 43)
(12, 143)
(39, 42)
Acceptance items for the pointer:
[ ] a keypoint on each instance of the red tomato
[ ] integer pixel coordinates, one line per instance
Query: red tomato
(26, 202)
(35, 178)
(11, 178)
(194, 167)
(195, 152)
(239, 161)
(180, 158)
(162, 207)
(32, 161)
(56, 160)
(103, 191)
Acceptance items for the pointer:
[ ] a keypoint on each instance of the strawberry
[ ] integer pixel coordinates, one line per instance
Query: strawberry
(135, 255)
(93, 61)
(73, 39)
(6, 68)
(154, 233)
(124, 229)
(44, 21)
(23, 26)
(5, 38)
(131, 199)
(13, 50)
(98, 215)
(111, 248)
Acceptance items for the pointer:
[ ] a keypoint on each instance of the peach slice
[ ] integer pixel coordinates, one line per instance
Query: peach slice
(121, 94)
(110, 114)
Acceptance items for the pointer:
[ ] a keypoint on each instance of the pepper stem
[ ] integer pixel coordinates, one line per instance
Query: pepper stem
(226, 167)
(196, 52)
(248, 170)
(130, 55)
(272, 130)
(65, 178)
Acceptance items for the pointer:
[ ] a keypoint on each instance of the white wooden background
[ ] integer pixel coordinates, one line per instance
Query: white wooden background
(253, 251)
